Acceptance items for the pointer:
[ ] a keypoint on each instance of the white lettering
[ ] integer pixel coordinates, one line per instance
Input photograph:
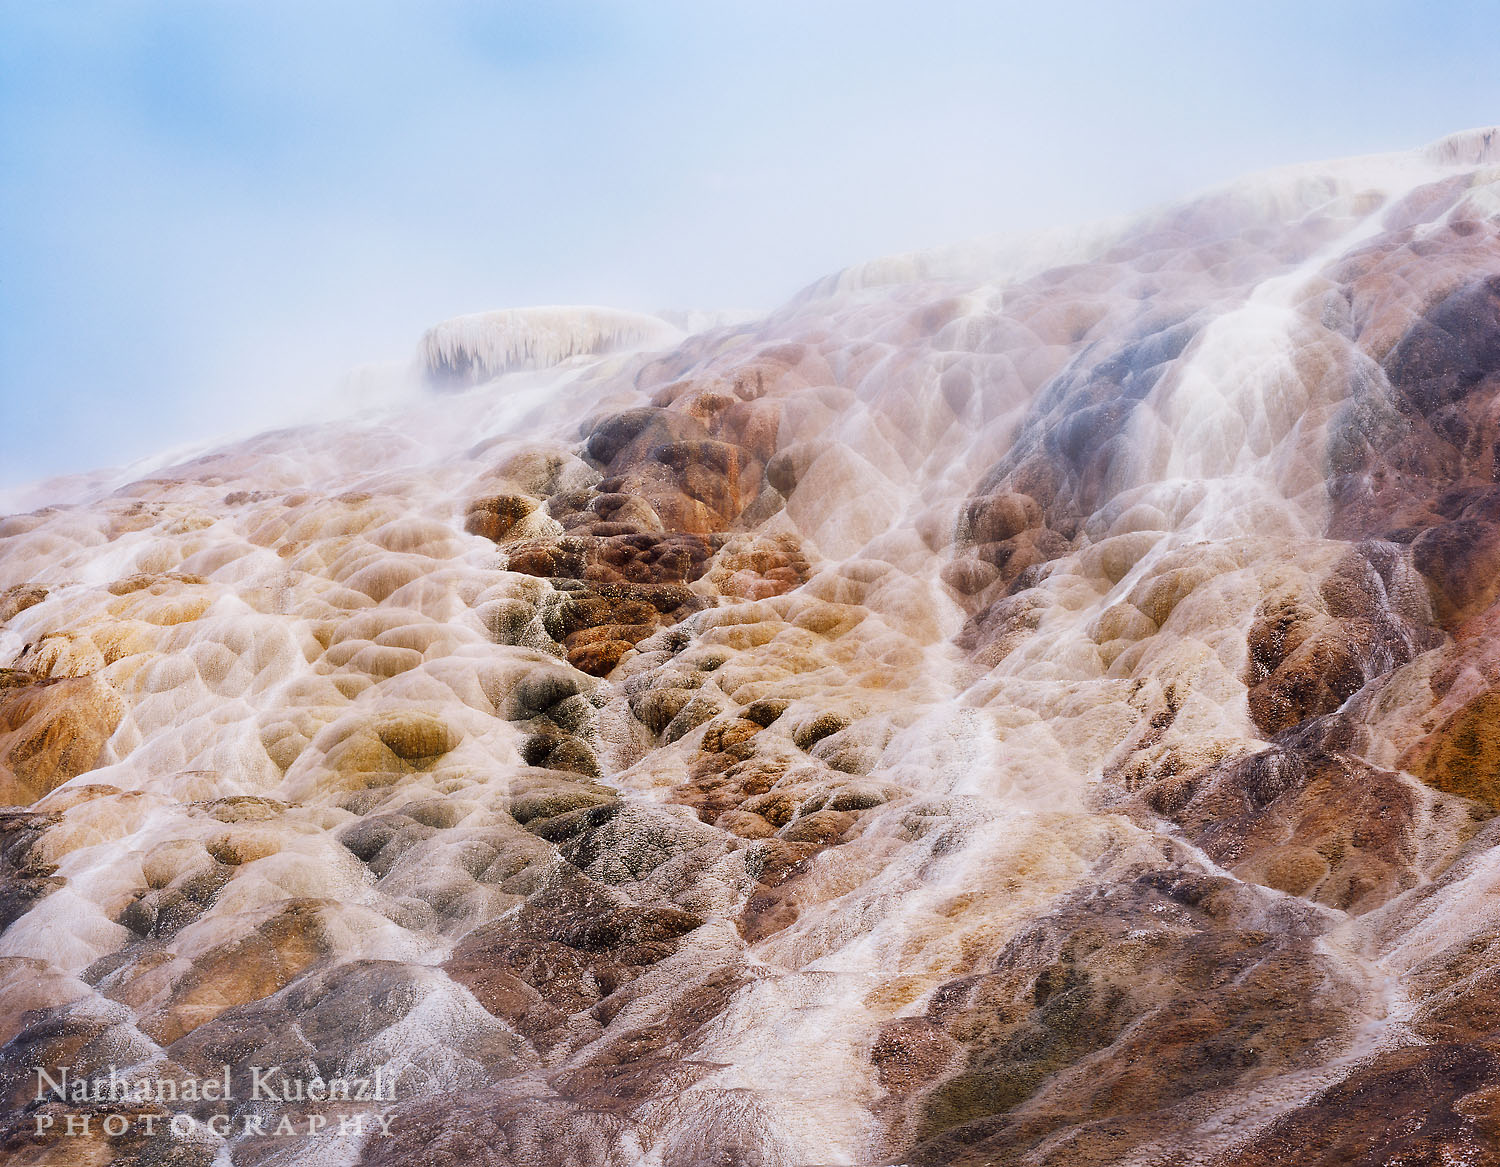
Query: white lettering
(58, 1087)
(260, 1088)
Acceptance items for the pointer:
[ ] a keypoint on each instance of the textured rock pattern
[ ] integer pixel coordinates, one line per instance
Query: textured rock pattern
(1014, 706)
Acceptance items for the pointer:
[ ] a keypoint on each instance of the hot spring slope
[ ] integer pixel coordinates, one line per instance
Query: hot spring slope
(1015, 705)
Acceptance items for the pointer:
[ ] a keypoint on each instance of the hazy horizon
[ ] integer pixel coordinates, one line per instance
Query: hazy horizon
(211, 214)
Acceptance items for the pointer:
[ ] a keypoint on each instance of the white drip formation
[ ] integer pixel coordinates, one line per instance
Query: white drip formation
(478, 347)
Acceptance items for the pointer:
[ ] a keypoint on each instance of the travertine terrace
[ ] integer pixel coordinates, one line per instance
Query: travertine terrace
(1030, 703)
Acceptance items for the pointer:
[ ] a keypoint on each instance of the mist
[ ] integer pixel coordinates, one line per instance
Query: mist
(212, 213)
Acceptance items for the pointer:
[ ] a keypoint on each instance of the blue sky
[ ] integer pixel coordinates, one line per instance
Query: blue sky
(208, 210)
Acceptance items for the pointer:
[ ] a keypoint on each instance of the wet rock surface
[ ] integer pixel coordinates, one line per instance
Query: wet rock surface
(989, 710)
